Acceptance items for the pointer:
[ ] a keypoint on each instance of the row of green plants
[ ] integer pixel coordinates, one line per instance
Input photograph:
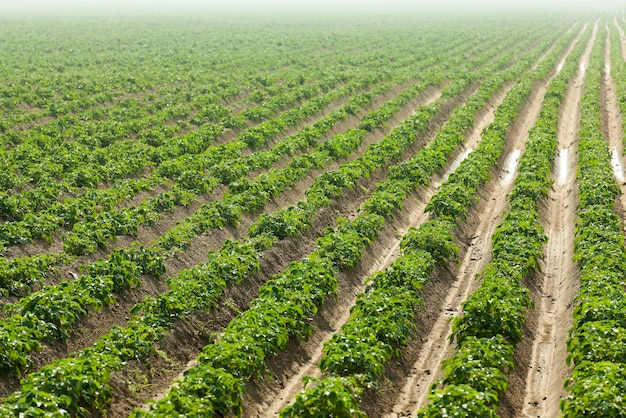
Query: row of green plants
(93, 229)
(92, 290)
(226, 365)
(382, 318)
(193, 289)
(596, 343)
(54, 166)
(489, 328)
(73, 299)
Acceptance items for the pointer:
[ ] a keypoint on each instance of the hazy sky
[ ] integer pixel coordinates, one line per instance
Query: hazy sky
(182, 7)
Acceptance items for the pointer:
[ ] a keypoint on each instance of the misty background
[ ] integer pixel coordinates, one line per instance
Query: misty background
(301, 7)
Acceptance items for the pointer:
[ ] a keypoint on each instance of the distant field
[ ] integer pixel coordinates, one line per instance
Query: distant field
(298, 217)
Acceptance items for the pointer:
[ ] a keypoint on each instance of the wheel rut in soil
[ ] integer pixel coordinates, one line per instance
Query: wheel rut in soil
(433, 339)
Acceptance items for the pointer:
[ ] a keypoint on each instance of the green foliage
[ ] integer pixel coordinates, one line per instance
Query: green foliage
(596, 389)
(490, 326)
(80, 147)
(481, 363)
(434, 237)
(330, 397)
(458, 401)
(596, 345)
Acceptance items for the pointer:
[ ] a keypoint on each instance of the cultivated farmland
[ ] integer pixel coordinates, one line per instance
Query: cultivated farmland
(390, 217)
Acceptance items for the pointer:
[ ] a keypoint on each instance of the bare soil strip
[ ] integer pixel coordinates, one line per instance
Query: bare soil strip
(536, 386)
(622, 37)
(510, 165)
(562, 166)
(616, 164)
(433, 336)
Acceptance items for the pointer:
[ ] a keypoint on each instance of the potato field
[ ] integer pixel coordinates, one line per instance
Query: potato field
(418, 216)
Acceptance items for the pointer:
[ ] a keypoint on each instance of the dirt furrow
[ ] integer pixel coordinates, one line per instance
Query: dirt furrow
(622, 37)
(433, 334)
(536, 386)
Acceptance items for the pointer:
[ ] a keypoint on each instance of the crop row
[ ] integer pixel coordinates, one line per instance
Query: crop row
(168, 307)
(490, 326)
(598, 335)
(618, 72)
(294, 289)
(382, 319)
(193, 289)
